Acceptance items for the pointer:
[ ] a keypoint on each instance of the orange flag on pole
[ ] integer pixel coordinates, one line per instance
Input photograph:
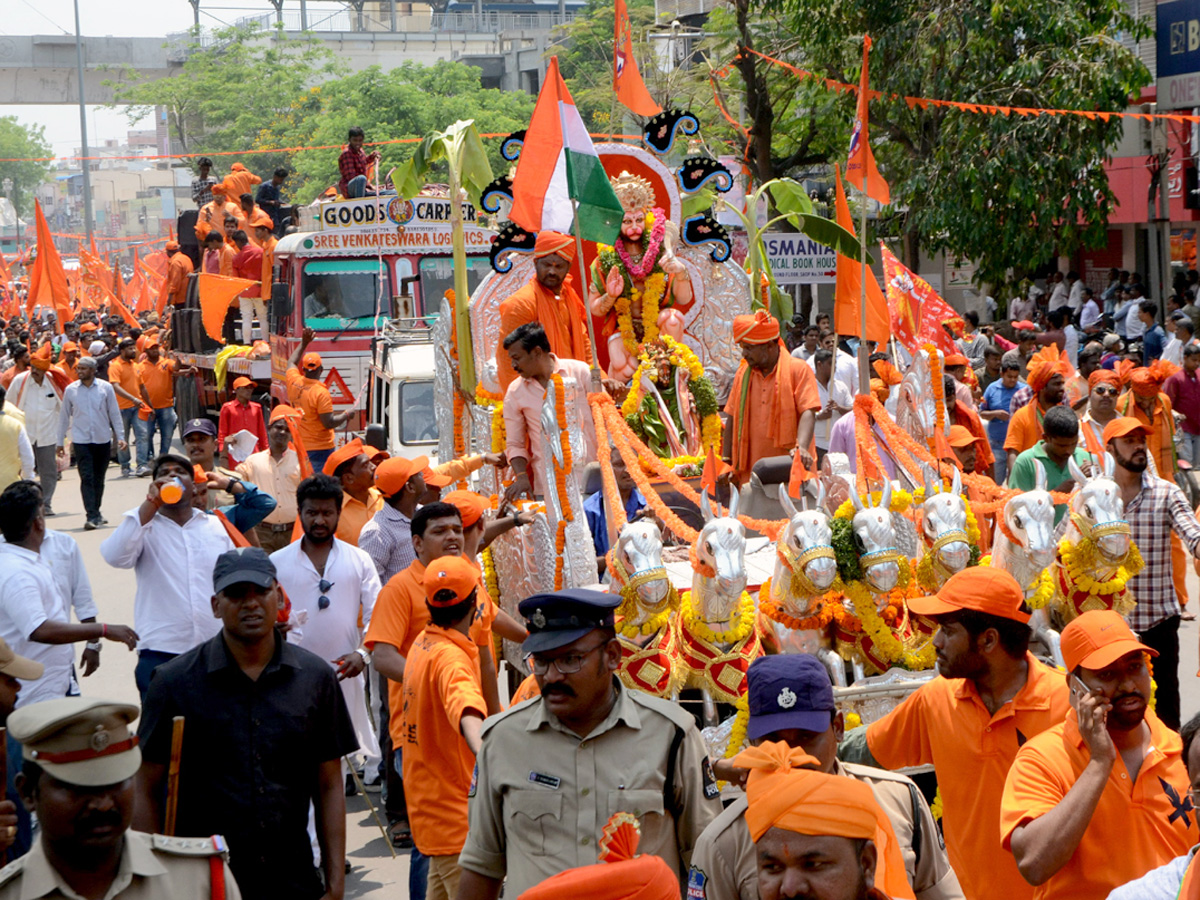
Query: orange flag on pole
(860, 163)
(714, 468)
(48, 279)
(627, 80)
(848, 294)
(122, 310)
(216, 293)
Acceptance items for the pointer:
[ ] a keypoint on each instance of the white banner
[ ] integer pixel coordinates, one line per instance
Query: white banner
(795, 259)
(385, 213)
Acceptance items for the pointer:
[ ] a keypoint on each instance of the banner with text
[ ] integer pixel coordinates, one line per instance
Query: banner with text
(795, 259)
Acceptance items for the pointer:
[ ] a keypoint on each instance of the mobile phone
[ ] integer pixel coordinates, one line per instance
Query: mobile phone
(1082, 687)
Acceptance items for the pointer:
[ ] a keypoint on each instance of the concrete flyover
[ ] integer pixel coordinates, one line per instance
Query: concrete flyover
(40, 69)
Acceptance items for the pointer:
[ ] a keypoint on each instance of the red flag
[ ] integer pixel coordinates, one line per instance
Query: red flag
(917, 312)
(627, 80)
(48, 280)
(846, 315)
(860, 162)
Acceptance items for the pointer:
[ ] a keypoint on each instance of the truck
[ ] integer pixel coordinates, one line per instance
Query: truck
(367, 275)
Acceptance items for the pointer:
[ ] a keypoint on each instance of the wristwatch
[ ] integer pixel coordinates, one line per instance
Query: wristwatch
(94, 645)
(366, 656)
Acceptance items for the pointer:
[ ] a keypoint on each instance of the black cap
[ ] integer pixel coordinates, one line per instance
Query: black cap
(203, 426)
(244, 564)
(791, 690)
(561, 617)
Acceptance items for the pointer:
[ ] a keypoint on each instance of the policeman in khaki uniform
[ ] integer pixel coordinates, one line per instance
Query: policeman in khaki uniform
(552, 770)
(79, 762)
(791, 700)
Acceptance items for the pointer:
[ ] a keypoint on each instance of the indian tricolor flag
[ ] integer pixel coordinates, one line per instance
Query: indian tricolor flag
(558, 165)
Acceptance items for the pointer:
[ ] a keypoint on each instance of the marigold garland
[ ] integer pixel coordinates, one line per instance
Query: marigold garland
(1078, 591)
(491, 580)
(738, 626)
(561, 472)
(939, 394)
(887, 644)
(853, 720)
(741, 725)
(560, 544)
(900, 503)
(828, 611)
(1044, 592)
(680, 356)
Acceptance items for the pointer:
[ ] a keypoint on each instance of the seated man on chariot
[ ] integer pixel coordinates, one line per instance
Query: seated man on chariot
(597, 515)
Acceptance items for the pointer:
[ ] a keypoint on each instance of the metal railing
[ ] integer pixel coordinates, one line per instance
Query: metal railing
(492, 22)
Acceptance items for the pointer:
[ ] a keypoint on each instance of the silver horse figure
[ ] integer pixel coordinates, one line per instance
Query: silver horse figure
(1098, 513)
(944, 526)
(1029, 517)
(638, 569)
(874, 527)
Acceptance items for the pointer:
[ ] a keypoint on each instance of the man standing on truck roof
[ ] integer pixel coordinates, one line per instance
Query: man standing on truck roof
(248, 263)
(179, 267)
(311, 397)
(550, 300)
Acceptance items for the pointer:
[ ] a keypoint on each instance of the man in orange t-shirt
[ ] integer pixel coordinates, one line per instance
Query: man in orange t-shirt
(307, 393)
(1102, 797)
(1048, 374)
(443, 711)
(968, 723)
(127, 385)
(157, 375)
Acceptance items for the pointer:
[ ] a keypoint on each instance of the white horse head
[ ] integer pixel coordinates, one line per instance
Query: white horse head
(721, 545)
(916, 409)
(1030, 518)
(1097, 510)
(807, 542)
(638, 564)
(944, 522)
(874, 527)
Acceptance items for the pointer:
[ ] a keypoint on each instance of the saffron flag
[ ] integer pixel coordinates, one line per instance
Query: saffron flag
(627, 80)
(848, 295)
(48, 280)
(558, 166)
(216, 293)
(714, 468)
(917, 312)
(860, 163)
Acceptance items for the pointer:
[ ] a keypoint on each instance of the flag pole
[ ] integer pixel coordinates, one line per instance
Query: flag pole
(864, 355)
(587, 313)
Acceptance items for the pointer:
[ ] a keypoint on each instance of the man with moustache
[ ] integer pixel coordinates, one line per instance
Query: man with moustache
(1102, 797)
(551, 770)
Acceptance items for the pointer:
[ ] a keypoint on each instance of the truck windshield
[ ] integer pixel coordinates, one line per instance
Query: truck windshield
(342, 292)
(437, 277)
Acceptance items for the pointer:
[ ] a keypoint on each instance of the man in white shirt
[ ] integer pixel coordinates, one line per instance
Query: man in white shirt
(1089, 318)
(275, 470)
(91, 416)
(34, 619)
(836, 400)
(39, 397)
(172, 548)
(332, 586)
(845, 366)
(1059, 293)
(1075, 292)
(1134, 326)
(1181, 335)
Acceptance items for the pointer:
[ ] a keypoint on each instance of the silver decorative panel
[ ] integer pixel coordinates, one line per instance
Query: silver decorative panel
(722, 292)
(445, 375)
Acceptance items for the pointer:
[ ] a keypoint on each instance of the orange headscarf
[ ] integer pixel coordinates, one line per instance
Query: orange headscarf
(40, 359)
(1146, 381)
(756, 328)
(1104, 376)
(1045, 364)
(785, 790)
(620, 875)
(889, 374)
(554, 242)
(292, 416)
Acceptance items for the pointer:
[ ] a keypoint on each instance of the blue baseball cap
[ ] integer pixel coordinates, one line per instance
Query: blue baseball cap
(790, 690)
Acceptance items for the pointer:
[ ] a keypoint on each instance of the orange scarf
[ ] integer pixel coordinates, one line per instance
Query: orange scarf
(549, 313)
(782, 421)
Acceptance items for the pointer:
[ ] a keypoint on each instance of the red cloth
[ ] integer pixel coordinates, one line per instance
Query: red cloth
(235, 417)
(351, 164)
(248, 264)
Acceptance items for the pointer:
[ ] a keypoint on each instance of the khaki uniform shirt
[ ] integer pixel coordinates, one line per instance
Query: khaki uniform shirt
(542, 795)
(153, 867)
(725, 867)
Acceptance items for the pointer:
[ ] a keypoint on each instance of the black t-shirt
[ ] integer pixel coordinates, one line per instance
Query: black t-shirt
(251, 751)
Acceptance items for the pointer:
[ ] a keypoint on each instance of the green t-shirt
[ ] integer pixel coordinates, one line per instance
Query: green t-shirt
(1023, 476)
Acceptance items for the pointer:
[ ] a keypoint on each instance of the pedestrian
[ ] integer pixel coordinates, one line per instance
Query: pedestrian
(973, 342)
(277, 469)
(1048, 373)
(1103, 387)
(123, 376)
(90, 415)
(1053, 453)
(240, 501)
(218, 253)
(171, 547)
(77, 776)
(811, 343)
(157, 373)
(20, 363)
(1154, 339)
(356, 166)
(994, 409)
(38, 395)
(1060, 292)
(203, 182)
(444, 709)
(35, 618)
(991, 695)
(308, 395)
(580, 734)
(1183, 390)
(834, 397)
(352, 468)
(387, 538)
(238, 415)
(332, 586)
(1111, 772)
(989, 372)
(1135, 323)
(69, 359)
(790, 700)
(278, 708)
(16, 451)
(1089, 316)
(269, 196)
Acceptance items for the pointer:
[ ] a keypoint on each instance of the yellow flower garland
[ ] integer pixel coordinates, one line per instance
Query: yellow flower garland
(886, 643)
(491, 580)
(741, 724)
(1045, 591)
(651, 296)
(901, 501)
(680, 355)
(1079, 559)
(738, 626)
(935, 808)
(853, 720)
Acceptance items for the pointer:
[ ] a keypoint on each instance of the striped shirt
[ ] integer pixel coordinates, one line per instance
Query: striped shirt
(1153, 514)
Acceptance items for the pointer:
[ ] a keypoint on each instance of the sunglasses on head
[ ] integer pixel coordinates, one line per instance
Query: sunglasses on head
(323, 601)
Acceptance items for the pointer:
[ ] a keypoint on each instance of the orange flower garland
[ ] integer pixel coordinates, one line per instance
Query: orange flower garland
(829, 611)
(939, 393)
(560, 480)
(613, 506)
(560, 545)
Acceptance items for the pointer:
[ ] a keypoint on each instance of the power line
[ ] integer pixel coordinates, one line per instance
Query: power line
(46, 17)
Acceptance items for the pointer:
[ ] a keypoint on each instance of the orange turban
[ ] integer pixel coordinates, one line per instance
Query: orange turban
(1146, 382)
(261, 220)
(1045, 364)
(1104, 376)
(620, 875)
(219, 189)
(291, 416)
(41, 359)
(887, 372)
(549, 242)
(757, 328)
(786, 791)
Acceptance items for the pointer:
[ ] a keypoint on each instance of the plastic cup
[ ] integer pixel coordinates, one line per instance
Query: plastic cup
(171, 492)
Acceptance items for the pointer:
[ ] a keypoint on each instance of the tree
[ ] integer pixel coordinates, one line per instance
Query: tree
(25, 142)
(1007, 191)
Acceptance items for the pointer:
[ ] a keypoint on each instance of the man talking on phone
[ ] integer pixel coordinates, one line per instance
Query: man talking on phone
(1103, 797)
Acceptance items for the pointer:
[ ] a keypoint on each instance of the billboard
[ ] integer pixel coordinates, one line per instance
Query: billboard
(1178, 53)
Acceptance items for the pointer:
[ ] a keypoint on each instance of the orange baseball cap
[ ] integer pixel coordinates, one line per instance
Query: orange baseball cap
(960, 436)
(151, 340)
(240, 382)
(1098, 638)
(470, 506)
(70, 347)
(435, 479)
(957, 359)
(451, 573)
(310, 361)
(392, 475)
(376, 455)
(979, 588)
(1123, 427)
(88, 326)
(342, 454)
